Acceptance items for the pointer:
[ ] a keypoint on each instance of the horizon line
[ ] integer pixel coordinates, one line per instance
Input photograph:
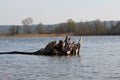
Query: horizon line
(64, 22)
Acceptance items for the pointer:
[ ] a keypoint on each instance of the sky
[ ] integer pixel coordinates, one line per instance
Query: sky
(12, 12)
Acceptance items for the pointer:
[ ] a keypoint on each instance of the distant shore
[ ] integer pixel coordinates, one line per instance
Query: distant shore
(39, 35)
(49, 35)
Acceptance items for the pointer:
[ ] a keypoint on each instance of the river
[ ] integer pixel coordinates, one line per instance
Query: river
(99, 60)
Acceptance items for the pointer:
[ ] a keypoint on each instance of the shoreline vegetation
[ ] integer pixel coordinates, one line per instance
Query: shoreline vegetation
(37, 35)
(49, 35)
(69, 28)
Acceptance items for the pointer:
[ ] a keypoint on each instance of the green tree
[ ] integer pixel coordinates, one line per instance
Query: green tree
(13, 30)
(59, 28)
(115, 30)
(40, 28)
(79, 29)
(70, 26)
(50, 29)
(105, 28)
(100, 28)
(87, 28)
(84, 28)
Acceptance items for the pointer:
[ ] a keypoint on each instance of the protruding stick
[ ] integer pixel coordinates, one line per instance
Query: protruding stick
(66, 40)
(80, 42)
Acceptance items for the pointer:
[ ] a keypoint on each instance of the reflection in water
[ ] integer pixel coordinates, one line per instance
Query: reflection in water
(98, 60)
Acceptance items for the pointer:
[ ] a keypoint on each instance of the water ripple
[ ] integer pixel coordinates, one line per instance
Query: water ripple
(99, 60)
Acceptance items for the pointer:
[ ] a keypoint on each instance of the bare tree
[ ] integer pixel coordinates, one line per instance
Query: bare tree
(27, 22)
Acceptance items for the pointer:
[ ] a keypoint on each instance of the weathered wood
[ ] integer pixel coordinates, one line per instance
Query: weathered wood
(63, 47)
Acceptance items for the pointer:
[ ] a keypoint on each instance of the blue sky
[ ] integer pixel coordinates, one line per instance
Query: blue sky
(57, 11)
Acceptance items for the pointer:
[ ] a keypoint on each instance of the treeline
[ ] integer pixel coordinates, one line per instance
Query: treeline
(96, 27)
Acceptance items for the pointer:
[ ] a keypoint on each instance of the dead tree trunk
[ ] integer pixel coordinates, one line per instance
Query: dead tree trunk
(64, 47)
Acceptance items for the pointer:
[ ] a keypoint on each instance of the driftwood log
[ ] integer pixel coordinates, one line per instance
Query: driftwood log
(63, 47)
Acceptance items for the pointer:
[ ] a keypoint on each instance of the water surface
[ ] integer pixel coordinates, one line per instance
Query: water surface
(99, 60)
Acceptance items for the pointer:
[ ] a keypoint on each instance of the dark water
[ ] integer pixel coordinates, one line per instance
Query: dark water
(99, 60)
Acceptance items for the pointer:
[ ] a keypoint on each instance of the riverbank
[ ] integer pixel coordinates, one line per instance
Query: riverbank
(48, 35)
(39, 35)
